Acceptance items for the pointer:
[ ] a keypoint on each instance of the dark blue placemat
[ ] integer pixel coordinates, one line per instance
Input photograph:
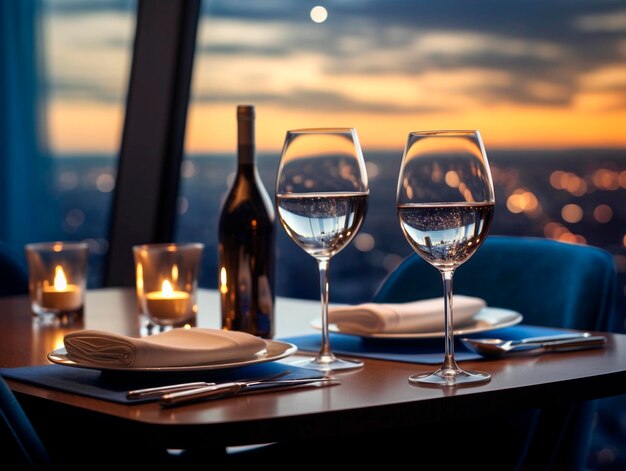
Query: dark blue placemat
(427, 351)
(113, 385)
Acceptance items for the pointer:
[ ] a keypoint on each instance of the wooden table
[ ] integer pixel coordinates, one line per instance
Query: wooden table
(377, 397)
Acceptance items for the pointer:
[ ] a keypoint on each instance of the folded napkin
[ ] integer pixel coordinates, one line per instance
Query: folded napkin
(417, 316)
(177, 347)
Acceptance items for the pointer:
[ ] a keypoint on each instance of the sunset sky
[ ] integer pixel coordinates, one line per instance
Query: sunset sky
(527, 74)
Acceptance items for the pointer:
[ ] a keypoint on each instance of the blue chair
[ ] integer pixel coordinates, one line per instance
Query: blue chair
(21, 446)
(552, 284)
(13, 272)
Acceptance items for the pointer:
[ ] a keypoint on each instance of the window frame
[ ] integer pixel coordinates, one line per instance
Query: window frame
(152, 147)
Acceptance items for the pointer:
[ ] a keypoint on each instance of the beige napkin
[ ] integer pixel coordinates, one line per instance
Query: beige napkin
(416, 316)
(177, 347)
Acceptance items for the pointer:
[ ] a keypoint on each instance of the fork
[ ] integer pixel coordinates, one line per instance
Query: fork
(158, 391)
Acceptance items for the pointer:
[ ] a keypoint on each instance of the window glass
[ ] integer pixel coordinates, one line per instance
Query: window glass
(86, 48)
(544, 82)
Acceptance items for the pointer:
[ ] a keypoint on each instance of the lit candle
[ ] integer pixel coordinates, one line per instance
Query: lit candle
(61, 295)
(168, 304)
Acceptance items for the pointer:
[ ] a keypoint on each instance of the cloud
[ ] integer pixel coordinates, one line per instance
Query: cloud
(540, 46)
(540, 51)
(320, 99)
(608, 22)
(80, 7)
(77, 89)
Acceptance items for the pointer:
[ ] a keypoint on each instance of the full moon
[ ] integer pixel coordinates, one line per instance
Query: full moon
(319, 14)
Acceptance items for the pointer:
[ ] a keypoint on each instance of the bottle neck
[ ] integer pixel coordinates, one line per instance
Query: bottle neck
(245, 135)
(245, 154)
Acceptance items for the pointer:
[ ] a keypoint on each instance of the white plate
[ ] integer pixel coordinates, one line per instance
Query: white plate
(488, 318)
(276, 350)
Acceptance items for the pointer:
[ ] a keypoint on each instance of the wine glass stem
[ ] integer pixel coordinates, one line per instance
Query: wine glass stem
(325, 352)
(449, 361)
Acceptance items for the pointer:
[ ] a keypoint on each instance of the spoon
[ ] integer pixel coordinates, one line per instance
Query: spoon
(498, 347)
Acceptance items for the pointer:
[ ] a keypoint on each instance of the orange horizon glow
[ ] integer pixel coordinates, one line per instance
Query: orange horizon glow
(87, 127)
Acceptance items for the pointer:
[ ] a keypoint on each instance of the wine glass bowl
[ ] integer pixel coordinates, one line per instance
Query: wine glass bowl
(321, 196)
(445, 205)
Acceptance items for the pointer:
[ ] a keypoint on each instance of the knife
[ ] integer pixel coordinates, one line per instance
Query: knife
(235, 388)
(158, 391)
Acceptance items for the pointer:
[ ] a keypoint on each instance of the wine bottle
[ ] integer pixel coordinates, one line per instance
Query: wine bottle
(246, 242)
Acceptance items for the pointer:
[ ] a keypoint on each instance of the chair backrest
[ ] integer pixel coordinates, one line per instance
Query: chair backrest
(13, 272)
(550, 283)
(21, 446)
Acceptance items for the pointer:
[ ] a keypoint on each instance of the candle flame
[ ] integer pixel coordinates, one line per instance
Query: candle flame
(223, 285)
(139, 277)
(60, 281)
(167, 289)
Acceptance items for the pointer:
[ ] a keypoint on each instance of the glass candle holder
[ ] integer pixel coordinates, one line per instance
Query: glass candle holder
(57, 274)
(166, 282)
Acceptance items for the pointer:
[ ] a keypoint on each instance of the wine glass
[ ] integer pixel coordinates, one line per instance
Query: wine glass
(445, 204)
(321, 196)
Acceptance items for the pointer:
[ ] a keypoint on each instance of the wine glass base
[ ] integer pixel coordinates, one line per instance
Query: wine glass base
(323, 364)
(450, 377)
